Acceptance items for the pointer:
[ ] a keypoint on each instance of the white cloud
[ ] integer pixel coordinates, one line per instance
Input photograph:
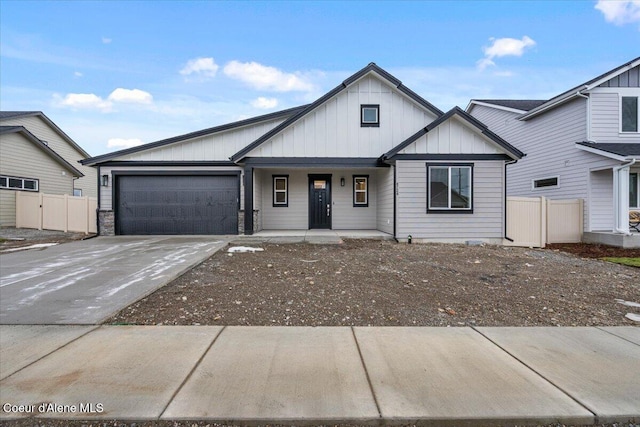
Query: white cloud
(89, 101)
(265, 103)
(121, 143)
(620, 12)
(203, 67)
(504, 47)
(134, 96)
(106, 40)
(266, 78)
(77, 74)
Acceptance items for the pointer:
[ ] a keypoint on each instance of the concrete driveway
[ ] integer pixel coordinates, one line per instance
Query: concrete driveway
(87, 281)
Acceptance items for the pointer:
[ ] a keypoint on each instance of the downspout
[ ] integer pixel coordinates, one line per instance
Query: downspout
(616, 197)
(505, 198)
(582, 95)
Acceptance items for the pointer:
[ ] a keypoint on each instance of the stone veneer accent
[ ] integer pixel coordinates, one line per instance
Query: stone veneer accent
(106, 225)
(256, 221)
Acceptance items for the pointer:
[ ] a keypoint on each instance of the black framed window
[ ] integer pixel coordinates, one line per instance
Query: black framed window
(280, 190)
(360, 190)
(369, 115)
(634, 186)
(16, 183)
(449, 188)
(629, 114)
(545, 182)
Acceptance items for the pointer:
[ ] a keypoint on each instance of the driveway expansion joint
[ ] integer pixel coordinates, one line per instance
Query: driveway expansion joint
(366, 372)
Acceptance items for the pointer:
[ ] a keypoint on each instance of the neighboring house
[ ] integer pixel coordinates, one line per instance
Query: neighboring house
(583, 143)
(28, 164)
(370, 154)
(50, 134)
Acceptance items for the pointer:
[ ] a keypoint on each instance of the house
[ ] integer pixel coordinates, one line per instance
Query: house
(29, 164)
(370, 154)
(583, 143)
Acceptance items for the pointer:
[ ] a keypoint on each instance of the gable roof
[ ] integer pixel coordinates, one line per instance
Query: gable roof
(457, 111)
(513, 105)
(41, 145)
(196, 134)
(619, 151)
(14, 114)
(573, 92)
(372, 67)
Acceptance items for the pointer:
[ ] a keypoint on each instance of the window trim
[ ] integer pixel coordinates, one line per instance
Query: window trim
(366, 191)
(369, 124)
(628, 132)
(546, 187)
(450, 210)
(79, 190)
(285, 191)
(637, 174)
(8, 177)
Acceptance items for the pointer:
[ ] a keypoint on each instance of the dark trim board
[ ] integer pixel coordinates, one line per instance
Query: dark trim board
(466, 157)
(138, 163)
(176, 173)
(452, 211)
(315, 162)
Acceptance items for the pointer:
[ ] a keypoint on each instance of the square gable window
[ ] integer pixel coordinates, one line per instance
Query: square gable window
(370, 115)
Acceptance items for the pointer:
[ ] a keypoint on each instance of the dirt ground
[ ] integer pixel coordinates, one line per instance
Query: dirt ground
(11, 237)
(383, 283)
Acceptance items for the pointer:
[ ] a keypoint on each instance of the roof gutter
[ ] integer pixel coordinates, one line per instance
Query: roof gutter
(544, 107)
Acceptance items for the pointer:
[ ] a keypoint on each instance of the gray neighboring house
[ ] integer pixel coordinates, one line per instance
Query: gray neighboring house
(28, 164)
(583, 143)
(370, 155)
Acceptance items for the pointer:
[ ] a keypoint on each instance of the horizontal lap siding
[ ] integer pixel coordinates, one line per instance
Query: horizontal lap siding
(486, 222)
(7, 208)
(57, 143)
(605, 122)
(549, 143)
(602, 200)
(385, 200)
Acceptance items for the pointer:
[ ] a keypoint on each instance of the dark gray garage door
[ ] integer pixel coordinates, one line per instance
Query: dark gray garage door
(199, 204)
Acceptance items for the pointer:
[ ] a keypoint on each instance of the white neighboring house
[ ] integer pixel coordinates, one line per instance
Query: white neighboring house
(369, 155)
(28, 164)
(583, 143)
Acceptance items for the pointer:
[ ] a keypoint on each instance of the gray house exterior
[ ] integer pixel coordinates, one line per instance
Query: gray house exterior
(583, 143)
(368, 155)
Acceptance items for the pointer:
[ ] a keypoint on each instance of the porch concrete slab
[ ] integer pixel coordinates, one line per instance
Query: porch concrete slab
(596, 368)
(21, 345)
(451, 376)
(278, 374)
(133, 371)
(629, 333)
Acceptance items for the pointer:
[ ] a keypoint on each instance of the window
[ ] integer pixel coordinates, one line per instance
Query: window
(370, 115)
(449, 188)
(77, 192)
(634, 186)
(281, 191)
(361, 190)
(545, 182)
(14, 183)
(629, 114)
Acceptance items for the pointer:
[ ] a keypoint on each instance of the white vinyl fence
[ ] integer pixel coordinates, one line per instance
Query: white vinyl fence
(54, 212)
(536, 221)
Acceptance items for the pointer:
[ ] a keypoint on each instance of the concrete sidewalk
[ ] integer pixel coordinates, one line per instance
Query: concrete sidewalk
(305, 375)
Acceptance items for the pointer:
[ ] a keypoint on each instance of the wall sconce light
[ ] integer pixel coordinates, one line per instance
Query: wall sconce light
(342, 182)
(105, 180)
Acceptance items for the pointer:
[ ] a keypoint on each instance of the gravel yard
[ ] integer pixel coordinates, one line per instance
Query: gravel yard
(383, 283)
(13, 238)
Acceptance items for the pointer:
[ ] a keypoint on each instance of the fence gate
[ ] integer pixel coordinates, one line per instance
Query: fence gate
(536, 221)
(54, 212)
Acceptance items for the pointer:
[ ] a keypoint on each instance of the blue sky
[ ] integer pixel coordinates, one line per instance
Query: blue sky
(114, 74)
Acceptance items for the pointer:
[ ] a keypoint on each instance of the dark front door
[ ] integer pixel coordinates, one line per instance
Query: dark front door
(319, 201)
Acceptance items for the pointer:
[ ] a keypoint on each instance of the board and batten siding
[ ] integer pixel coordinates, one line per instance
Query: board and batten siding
(485, 223)
(385, 200)
(452, 137)
(295, 216)
(212, 147)
(22, 159)
(106, 193)
(41, 129)
(549, 143)
(333, 128)
(630, 78)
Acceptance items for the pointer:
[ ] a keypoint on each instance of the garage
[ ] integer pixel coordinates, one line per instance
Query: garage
(176, 204)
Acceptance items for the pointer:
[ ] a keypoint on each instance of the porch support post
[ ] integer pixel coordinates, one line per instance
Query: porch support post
(248, 200)
(621, 198)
